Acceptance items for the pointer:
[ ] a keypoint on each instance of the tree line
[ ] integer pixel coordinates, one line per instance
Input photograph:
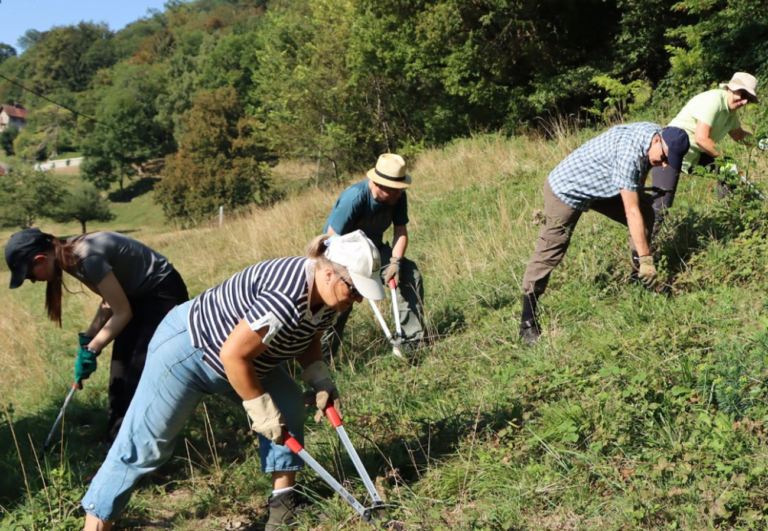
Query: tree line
(221, 89)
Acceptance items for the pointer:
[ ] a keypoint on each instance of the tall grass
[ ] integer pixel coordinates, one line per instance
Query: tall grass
(637, 410)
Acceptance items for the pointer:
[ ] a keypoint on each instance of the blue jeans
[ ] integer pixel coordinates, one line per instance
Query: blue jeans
(174, 381)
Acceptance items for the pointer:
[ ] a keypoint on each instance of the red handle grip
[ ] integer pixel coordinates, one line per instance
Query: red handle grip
(392, 283)
(292, 444)
(333, 416)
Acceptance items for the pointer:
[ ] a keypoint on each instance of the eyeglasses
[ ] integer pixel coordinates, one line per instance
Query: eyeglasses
(352, 289)
(742, 95)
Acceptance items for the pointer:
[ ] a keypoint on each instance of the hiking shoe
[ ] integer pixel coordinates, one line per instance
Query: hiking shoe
(283, 510)
(530, 332)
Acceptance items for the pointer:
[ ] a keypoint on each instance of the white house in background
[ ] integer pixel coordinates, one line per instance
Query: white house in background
(12, 116)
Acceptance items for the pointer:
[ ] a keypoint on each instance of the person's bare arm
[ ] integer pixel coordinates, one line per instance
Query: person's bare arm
(740, 135)
(237, 354)
(400, 241)
(635, 221)
(103, 313)
(117, 303)
(703, 140)
(313, 353)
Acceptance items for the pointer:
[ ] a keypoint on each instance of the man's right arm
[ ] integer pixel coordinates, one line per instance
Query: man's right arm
(635, 221)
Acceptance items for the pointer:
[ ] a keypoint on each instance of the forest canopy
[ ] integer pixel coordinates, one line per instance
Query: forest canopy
(344, 80)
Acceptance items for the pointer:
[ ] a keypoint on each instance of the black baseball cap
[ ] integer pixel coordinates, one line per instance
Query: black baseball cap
(20, 250)
(677, 146)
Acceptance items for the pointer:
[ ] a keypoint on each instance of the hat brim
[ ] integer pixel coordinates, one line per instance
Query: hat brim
(733, 87)
(369, 288)
(675, 161)
(405, 183)
(18, 275)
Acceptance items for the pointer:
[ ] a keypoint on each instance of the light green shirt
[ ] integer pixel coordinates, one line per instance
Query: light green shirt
(710, 107)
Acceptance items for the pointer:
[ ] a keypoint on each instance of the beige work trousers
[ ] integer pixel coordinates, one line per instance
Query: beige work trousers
(555, 234)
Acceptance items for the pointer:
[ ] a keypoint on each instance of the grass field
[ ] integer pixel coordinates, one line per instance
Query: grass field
(637, 410)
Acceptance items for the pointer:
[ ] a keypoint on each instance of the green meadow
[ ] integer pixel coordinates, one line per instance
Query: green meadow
(638, 409)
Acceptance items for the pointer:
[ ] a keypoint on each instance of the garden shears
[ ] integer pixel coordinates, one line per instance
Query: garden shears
(368, 514)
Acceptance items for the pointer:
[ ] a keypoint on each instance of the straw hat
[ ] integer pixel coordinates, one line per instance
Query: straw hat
(390, 172)
(743, 81)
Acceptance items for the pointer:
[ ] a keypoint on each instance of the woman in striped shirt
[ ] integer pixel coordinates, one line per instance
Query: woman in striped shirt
(231, 340)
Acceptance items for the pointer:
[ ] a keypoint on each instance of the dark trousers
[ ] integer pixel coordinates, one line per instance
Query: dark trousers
(129, 350)
(667, 179)
(410, 295)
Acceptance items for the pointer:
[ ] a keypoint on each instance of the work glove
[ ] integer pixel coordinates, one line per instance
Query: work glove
(647, 272)
(266, 419)
(83, 339)
(85, 364)
(392, 271)
(318, 377)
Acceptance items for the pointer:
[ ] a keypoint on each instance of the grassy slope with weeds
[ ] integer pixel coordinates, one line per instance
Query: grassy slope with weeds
(637, 410)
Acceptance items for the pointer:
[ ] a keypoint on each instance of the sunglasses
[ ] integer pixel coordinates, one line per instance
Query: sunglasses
(352, 289)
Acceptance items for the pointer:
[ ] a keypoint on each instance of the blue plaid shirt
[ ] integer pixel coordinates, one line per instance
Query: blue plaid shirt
(614, 161)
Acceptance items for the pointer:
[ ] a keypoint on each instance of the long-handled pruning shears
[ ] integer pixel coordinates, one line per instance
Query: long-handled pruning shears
(61, 415)
(395, 309)
(397, 339)
(368, 514)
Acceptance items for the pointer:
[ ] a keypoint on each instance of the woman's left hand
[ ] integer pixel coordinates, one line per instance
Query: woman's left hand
(85, 365)
(319, 378)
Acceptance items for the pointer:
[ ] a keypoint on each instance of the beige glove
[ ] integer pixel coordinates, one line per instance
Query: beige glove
(647, 272)
(266, 418)
(318, 377)
(392, 271)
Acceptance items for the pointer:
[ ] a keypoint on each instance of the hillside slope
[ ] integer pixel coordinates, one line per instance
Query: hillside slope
(638, 409)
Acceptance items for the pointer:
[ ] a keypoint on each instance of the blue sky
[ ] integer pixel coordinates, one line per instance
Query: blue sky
(17, 16)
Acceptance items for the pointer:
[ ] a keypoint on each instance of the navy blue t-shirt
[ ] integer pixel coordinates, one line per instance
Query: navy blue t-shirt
(357, 209)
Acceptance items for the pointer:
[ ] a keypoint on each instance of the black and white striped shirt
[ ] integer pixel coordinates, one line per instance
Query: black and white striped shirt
(274, 294)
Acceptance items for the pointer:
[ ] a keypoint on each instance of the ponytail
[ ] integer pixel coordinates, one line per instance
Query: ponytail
(64, 258)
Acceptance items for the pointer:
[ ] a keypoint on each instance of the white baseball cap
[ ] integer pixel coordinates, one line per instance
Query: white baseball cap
(361, 258)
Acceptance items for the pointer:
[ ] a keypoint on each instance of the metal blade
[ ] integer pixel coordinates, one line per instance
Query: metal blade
(61, 415)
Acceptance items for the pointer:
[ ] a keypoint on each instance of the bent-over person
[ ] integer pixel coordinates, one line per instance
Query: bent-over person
(606, 175)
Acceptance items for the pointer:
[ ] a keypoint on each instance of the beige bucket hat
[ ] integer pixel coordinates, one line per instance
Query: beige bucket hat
(390, 172)
(743, 81)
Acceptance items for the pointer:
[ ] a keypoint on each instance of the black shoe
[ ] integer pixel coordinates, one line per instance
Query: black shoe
(530, 332)
(411, 346)
(284, 508)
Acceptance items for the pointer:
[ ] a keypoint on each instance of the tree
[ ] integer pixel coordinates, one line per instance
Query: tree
(30, 37)
(6, 51)
(6, 140)
(26, 196)
(219, 161)
(722, 38)
(49, 130)
(128, 133)
(85, 203)
(67, 57)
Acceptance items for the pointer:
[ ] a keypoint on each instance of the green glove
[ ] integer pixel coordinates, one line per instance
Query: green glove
(647, 272)
(83, 339)
(85, 364)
